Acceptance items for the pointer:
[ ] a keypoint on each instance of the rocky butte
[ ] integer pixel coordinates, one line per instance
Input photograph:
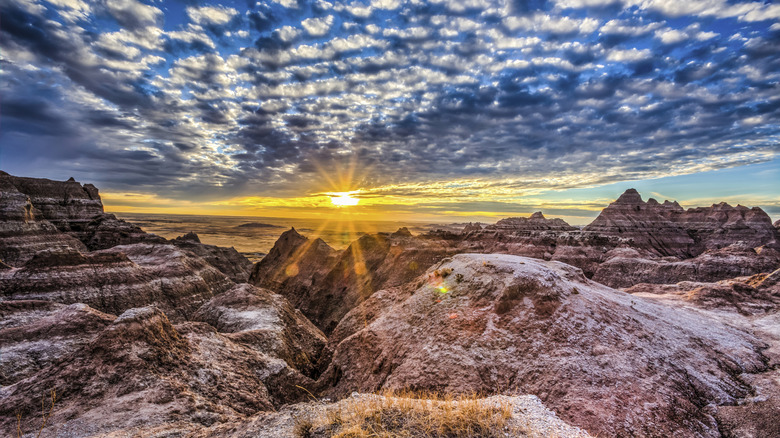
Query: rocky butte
(652, 321)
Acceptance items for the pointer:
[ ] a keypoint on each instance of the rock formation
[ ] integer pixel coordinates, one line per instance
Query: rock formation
(536, 222)
(106, 231)
(602, 359)
(119, 278)
(68, 205)
(691, 350)
(65, 249)
(142, 371)
(325, 284)
(471, 227)
(36, 334)
(754, 295)
(626, 267)
(24, 230)
(229, 261)
(670, 230)
(268, 323)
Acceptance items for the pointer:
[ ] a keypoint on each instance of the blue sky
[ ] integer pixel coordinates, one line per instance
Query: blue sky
(451, 109)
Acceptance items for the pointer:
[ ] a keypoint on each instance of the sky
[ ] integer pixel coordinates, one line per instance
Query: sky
(441, 110)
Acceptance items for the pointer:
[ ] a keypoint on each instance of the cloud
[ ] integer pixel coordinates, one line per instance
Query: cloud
(674, 36)
(520, 96)
(548, 23)
(292, 4)
(389, 5)
(205, 15)
(317, 27)
(625, 27)
(133, 14)
(631, 55)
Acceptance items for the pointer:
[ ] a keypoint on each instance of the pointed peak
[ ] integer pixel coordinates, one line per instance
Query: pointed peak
(472, 226)
(402, 232)
(652, 201)
(291, 233)
(537, 215)
(71, 179)
(322, 245)
(288, 241)
(630, 196)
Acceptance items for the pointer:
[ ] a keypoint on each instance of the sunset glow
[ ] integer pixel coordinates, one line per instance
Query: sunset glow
(343, 199)
(437, 111)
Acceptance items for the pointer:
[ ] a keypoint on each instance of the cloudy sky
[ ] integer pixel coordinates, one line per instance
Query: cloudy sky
(448, 109)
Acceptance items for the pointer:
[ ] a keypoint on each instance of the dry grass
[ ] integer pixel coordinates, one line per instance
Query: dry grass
(45, 416)
(410, 415)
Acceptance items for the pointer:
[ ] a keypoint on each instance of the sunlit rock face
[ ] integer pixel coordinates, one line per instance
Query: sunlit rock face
(229, 261)
(142, 371)
(267, 322)
(754, 295)
(325, 284)
(119, 278)
(536, 222)
(615, 364)
(670, 230)
(24, 228)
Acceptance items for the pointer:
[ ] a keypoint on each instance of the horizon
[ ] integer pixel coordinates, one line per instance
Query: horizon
(391, 110)
(484, 220)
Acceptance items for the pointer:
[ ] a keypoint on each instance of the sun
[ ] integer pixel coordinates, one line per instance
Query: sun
(343, 199)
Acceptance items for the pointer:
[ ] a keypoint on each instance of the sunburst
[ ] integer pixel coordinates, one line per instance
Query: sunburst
(344, 199)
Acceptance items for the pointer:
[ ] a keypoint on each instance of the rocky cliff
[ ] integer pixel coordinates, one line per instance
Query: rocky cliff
(670, 230)
(325, 284)
(229, 261)
(68, 205)
(57, 244)
(119, 278)
(24, 229)
(602, 359)
(139, 371)
(536, 222)
(266, 322)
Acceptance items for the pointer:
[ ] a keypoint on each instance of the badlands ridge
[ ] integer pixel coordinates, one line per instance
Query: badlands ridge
(652, 321)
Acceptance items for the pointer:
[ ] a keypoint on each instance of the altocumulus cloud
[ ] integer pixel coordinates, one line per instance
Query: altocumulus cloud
(203, 100)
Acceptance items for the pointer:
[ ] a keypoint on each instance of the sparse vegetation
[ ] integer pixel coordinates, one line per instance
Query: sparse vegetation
(442, 273)
(45, 415)
(411, 415)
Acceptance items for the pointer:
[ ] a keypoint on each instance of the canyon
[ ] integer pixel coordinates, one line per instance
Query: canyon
(651, 321)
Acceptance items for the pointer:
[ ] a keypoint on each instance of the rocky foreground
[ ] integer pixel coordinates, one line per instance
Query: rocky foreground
(142, 336)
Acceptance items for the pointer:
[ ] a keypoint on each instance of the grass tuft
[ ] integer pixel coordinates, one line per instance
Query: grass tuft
(410, 415)
(45, 416)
